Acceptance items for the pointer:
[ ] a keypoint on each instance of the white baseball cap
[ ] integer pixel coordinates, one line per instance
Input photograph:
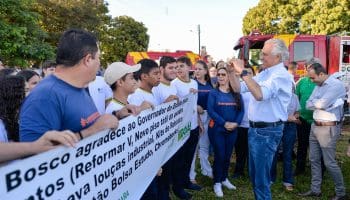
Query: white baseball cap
(117, 70)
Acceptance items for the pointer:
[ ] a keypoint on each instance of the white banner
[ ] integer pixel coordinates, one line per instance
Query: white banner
(116, 165)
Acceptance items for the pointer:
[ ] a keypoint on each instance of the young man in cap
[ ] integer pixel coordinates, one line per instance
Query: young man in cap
(120, 77)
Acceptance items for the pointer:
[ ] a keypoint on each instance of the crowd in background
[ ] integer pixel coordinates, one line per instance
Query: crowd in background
(237, 109)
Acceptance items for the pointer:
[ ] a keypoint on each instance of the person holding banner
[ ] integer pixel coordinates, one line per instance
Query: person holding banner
(149, 77)
(15, 150)
(121, 79)
(164, 92)
(61, 101)
(184, 86)
(225, 107)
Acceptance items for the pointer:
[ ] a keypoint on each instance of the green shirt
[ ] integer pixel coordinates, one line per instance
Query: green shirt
(304, 90)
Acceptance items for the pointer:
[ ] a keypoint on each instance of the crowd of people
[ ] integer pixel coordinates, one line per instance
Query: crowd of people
(235, 110)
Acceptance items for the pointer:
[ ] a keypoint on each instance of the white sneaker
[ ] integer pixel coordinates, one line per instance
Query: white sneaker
(228, 184)
(218, 190)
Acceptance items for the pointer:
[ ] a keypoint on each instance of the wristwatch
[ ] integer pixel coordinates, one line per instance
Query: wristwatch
(244, 73)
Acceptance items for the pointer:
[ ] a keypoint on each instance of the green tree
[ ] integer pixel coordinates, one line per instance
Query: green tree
(326, 17)
(21, 39)
(298, 16)
(58, 16)
(276, 16)
(30, 29)
(263, 17)
(121, 36)
(117, 36)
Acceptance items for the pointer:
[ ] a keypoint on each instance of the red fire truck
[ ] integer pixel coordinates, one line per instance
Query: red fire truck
(332, 50)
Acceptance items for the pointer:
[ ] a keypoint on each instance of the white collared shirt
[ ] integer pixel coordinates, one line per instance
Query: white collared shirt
(276, 86)
(328, 98)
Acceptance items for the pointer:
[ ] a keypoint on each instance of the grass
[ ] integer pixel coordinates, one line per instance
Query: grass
(302, 182)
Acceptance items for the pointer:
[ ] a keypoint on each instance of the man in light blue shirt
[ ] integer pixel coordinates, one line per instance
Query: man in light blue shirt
(327, 102)
(272, 91)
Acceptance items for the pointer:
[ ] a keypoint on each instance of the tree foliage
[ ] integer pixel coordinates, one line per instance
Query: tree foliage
(117, 36)
(298, 16)
(327, 17)
(123, 35)
(261, 17)
(58, 16)
(21, 38)
(30, 29)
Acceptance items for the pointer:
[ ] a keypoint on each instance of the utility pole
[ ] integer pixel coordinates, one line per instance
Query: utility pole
(199, 39)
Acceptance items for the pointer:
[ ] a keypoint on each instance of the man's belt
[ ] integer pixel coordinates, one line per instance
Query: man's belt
(317, 123)
(264, 124)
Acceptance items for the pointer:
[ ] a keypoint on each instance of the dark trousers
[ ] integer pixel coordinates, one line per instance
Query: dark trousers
(164, 180)
(241, 149)
(223, 143)
(183, 160)
(151, 192)
(303, 135)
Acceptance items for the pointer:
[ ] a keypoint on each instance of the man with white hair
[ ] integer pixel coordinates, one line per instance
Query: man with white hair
(272, 91)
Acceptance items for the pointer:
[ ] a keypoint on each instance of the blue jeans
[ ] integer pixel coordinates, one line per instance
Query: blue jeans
(263, 144)
(288, 140)
(223, 143)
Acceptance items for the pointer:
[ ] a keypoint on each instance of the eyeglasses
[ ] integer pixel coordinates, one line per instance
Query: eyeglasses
(221, 74)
